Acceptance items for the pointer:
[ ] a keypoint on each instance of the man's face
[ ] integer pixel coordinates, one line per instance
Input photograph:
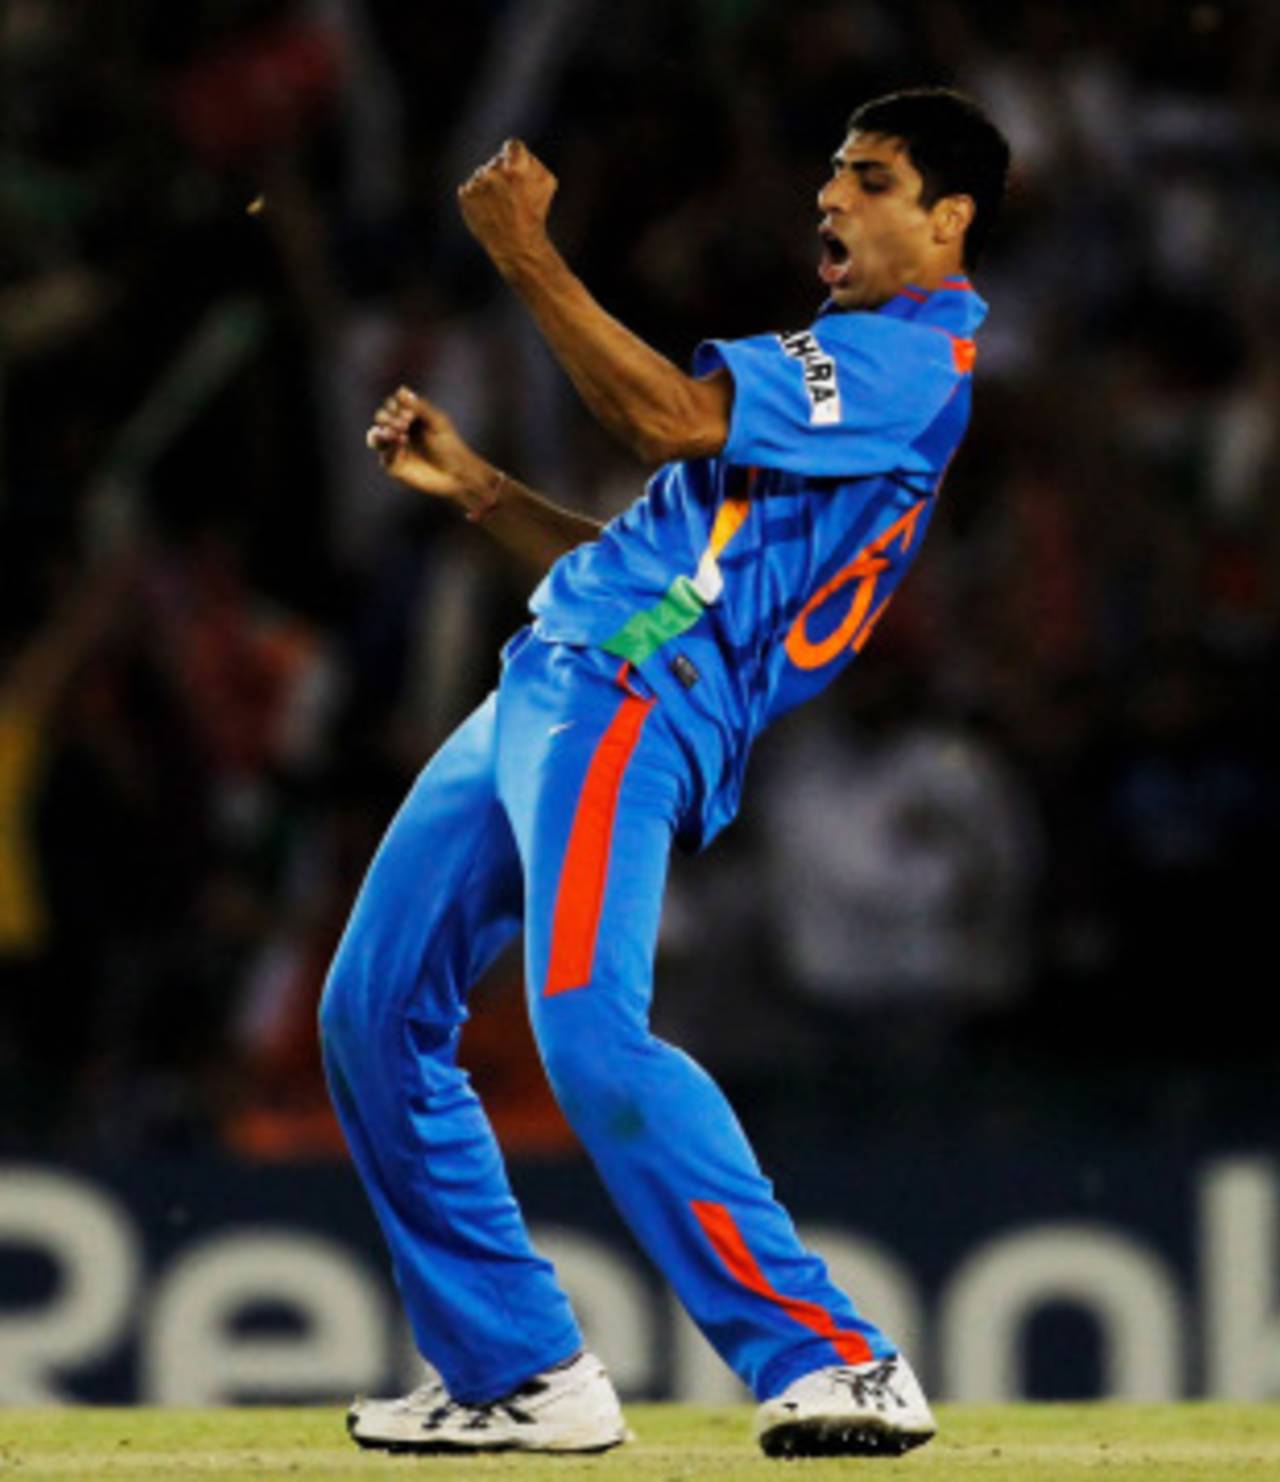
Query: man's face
(876, 236)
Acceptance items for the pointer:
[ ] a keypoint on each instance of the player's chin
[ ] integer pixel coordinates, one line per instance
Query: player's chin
(862, 294)
(846, 295)
(846, 286)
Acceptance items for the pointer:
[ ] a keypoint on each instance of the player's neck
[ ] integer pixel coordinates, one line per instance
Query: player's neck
(934, 274)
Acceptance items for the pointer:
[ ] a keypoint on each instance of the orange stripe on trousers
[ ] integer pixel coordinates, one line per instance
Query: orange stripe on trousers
(580, 894)
(720, 1228)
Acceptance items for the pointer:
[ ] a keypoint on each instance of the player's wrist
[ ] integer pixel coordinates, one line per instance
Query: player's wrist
(525, 261)
(484, 492)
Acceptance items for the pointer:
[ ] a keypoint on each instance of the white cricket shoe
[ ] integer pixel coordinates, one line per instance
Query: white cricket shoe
(391, 1417)
(572, 1407)
(875, 1409)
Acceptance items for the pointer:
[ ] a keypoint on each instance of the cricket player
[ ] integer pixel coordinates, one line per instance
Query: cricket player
(798, 477)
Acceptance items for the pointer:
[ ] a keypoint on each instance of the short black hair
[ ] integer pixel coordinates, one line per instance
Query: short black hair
(954, 145)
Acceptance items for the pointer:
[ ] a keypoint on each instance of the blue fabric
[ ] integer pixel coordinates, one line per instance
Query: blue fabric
(819, 490)
(484, 830)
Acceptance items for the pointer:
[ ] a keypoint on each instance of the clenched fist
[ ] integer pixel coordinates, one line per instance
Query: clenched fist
(505, 202)
(418, 445)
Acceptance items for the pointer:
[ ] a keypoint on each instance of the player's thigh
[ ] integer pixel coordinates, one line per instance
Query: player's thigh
(596, 879)
(592, 783)
(443, 894)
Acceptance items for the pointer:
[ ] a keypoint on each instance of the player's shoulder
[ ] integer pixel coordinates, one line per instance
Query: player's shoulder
(897, 343)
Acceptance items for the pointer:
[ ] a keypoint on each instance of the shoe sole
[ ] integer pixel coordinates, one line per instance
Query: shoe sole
(397, 1447)
(800, 1438)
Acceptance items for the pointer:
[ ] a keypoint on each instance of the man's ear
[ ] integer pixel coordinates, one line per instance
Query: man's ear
(952, 216)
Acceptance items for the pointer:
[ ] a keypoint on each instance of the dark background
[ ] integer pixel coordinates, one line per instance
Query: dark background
(1014, 872)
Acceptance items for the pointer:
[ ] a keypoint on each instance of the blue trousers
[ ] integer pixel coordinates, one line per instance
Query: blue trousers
(553, 807)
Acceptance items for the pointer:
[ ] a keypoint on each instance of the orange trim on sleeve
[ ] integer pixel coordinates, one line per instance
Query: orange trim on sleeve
(963, 353)
(575, 922)
(721, 1229)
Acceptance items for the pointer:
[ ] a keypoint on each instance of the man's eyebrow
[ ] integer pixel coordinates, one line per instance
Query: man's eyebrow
(861, 167)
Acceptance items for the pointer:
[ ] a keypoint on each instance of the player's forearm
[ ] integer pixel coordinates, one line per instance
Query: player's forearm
(637, 394)
(523, 522)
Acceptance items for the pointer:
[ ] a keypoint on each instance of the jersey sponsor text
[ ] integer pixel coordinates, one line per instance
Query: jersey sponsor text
(820, 382)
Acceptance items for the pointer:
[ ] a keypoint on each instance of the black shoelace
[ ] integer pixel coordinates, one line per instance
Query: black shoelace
(870, 1386)
(480, 1417)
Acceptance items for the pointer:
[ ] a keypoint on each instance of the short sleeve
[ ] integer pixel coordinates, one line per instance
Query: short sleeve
(845, 397)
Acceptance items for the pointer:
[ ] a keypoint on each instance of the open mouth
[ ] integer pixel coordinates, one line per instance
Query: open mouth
(833, 259)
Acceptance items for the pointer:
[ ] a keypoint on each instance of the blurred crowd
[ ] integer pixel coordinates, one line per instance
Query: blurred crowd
(1024, 844)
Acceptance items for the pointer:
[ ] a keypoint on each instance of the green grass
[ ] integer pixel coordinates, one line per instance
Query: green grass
(1040, 1443)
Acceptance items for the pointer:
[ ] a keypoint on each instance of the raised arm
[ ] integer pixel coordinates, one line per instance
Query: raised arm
(640, 396)
(419, 446)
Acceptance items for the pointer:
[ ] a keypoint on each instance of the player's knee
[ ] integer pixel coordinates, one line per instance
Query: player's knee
(346, 1005)
(566, 1065)
(589, 1076)
(332, 1016)
(366, 1024)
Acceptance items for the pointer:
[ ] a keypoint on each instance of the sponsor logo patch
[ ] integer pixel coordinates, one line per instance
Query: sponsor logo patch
(819, 369)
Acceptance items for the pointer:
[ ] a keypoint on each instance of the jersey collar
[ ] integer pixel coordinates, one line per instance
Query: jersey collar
(954, 305)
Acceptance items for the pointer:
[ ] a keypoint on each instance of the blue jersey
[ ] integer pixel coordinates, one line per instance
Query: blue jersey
(739, 585)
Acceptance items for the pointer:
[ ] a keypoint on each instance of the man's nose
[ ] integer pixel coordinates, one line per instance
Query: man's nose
(833, 196)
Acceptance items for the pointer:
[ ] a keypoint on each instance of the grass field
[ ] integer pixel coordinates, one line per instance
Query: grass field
(1039, 1443)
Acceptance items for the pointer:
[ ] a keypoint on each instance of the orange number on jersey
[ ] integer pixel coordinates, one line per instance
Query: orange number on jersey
(855, 627)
